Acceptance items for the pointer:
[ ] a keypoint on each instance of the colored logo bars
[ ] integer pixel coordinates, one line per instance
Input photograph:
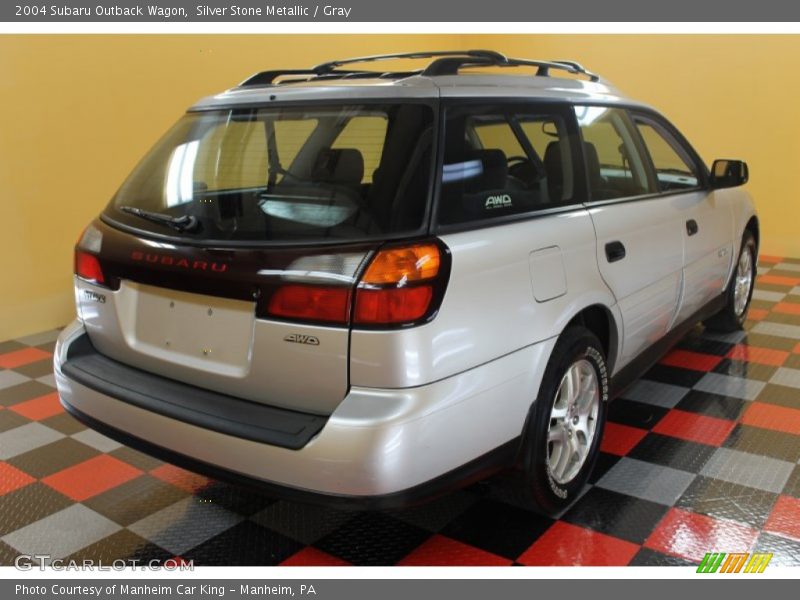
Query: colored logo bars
(721, 562)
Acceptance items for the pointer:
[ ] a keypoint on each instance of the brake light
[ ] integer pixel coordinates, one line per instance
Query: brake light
(313, 303)
(88, 267)
(399, 286)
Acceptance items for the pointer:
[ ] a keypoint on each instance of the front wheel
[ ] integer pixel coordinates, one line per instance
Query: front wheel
(565, 427)
(739, 291)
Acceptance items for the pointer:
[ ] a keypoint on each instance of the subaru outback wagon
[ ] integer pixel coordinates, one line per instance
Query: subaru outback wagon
(366, 287)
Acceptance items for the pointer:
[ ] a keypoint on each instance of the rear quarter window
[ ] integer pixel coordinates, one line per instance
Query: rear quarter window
(504, 161)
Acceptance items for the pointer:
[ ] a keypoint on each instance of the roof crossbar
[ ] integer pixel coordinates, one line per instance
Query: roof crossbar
(447, 62)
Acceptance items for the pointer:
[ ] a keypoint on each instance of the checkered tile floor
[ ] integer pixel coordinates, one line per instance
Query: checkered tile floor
(701, 454)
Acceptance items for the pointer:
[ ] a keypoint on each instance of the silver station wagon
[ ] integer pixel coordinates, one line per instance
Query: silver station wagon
(365, 287)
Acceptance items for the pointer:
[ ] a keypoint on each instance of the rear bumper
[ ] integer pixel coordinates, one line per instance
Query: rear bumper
(379, 448)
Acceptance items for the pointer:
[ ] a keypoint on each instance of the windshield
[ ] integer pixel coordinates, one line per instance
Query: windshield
(301, 173)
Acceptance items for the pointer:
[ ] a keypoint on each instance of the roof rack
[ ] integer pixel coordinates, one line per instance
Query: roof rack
(448, 62)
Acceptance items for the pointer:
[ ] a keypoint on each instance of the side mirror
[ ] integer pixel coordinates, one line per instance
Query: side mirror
(726, 173)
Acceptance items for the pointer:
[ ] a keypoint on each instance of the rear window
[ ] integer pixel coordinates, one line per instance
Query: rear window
(301, 173)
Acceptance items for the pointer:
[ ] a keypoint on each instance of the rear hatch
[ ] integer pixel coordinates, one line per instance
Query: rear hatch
(229, 258)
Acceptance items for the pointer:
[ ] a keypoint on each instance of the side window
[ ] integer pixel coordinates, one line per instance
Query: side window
(492, 168)
(674, 169)
(615, 168)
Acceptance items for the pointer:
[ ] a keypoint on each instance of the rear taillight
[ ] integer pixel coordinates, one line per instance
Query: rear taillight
(312, 303)
(87, 267)
(401, 286)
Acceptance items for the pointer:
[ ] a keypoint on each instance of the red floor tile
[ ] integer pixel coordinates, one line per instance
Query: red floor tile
(796, 349)
(186, 480)
(757, 314)
(779, 280)
(39, 408)
(785, 518)
(565, 544)
(18, 358)
(441, 551)
(311, 557)
(91, 477)
(620, 439)
(690, 535)
(694, 427)
(771, 416)
(12, 478)
(787, 308)
(762, 356)
(686, 359)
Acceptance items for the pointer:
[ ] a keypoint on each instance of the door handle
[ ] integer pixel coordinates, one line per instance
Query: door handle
(691, 227)
(615, 251)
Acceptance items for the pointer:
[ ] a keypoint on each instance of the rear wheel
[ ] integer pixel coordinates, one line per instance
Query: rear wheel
(565, 426)
(740, 290)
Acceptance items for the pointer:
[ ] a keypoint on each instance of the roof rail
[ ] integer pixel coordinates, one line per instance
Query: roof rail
(447, 62)
(482, 54)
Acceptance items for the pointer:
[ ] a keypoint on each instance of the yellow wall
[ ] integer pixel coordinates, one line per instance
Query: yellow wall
(78, 111)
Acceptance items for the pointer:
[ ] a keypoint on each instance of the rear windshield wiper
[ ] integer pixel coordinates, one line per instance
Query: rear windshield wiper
(184, 223)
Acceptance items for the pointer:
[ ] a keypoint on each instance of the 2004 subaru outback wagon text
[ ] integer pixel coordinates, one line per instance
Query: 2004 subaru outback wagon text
(365, 287)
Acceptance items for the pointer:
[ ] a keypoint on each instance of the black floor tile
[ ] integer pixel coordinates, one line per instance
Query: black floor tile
(780, 395)
(123, 545)
(29, 504)
(635, 414)
(772, 342)
(135, 499)
(245, 544)
(40, 368)
(135, 458)
(745, 370)
(696, 343)
(373, 538)
(755, 440)
(724, 500)
(63, 422)
(712, 405)
(23, 391)
(622, 516)
(792, 487)
(11, 420)
(672, 452)
(238, 499)
(498, 528)
(51, 458)
(650, 558)
(674, 375)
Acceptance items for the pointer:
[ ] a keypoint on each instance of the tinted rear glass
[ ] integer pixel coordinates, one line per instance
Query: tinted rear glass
(501, 161)
(301, 173)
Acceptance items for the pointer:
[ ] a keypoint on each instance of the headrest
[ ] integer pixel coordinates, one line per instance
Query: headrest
(342, 166)
(494, 170)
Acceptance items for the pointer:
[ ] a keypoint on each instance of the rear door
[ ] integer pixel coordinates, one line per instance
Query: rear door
(707, 219)
(230, 255)
(639, 235)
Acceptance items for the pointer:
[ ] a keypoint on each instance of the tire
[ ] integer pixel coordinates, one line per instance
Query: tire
(739, 291)
(547, 487)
